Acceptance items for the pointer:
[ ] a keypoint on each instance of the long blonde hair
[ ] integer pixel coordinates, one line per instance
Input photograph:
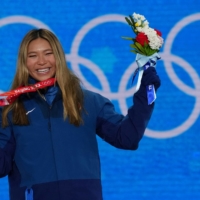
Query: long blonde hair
(68, 82)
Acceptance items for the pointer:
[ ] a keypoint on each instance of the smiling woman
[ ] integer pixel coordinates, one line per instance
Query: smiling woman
(40, 62)
(48, 145)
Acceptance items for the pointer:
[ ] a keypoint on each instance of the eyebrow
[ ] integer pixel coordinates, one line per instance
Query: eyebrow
(43, 51)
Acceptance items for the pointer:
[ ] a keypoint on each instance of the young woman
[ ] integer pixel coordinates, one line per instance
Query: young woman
(48, 144)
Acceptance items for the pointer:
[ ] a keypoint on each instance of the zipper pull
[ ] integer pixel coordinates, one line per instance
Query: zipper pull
(44, 97)
(29, 194)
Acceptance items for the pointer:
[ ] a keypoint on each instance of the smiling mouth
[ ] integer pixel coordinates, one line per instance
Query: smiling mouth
(43, 71)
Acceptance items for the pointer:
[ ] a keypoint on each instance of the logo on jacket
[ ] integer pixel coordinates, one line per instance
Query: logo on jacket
(30, 111)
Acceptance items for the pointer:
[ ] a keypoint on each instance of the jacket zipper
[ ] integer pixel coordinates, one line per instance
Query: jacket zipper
(49, 127)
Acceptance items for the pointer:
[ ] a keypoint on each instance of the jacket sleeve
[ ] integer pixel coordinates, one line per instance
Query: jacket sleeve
(125, 132)
(7, 148)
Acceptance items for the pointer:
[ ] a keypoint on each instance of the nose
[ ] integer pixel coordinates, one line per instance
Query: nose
(41, 60)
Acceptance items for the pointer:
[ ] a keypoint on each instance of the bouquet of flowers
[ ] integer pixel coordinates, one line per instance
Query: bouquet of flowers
(148, 40)
(146, 45)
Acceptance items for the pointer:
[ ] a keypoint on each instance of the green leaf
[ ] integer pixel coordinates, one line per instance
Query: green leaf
(146, 50)
(133, 30)
(134, 51)
(139, 46)
(151, 51)
(127, 38)
(133, 46)
(145, 44)
(139, 51)
(131, 18)
(128, 21)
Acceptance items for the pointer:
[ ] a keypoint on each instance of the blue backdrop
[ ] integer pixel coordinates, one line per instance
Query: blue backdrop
(167, 163)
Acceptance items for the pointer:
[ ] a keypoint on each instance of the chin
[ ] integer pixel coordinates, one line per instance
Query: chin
(43, 78)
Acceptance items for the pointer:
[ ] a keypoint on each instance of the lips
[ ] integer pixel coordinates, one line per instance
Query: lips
(43, 71)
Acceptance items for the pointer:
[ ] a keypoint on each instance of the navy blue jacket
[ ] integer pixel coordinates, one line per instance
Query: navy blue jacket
(51, 159)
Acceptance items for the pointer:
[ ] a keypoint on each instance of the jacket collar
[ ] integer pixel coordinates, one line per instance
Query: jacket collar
(50, 94)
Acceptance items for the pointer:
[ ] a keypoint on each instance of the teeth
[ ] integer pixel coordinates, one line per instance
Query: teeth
(43, 70)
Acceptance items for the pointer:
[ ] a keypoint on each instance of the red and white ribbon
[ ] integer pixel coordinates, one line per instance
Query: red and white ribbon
(9, 97)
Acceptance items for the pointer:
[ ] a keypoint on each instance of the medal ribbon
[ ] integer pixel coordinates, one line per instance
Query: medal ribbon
(9, 97)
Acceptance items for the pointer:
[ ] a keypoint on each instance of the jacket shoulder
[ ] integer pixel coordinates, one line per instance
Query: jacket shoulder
(93, 100)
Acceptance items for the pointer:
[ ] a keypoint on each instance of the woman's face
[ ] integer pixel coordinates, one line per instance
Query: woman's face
(40, 60)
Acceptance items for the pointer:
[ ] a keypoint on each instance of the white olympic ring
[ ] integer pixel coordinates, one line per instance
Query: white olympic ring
(22, 20)
(121, 96)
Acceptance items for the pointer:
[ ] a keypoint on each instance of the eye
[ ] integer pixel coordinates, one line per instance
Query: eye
(49, 53)
(32, 56)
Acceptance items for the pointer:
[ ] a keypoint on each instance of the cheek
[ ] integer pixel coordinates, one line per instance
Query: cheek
(53, 62)
(30, 64)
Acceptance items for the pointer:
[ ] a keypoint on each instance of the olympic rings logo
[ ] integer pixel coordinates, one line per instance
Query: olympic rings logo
(122, 93)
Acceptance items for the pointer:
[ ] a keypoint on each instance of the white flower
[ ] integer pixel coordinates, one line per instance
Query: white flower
(161, 40)
(150, 31)
(139, 22)
(145, 23)
(138, 17)
(142, 29)
(139, 29)
(155, 41)
(142, 17)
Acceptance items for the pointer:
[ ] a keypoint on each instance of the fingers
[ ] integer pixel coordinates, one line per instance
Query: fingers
(150, 77)
(149, 70)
